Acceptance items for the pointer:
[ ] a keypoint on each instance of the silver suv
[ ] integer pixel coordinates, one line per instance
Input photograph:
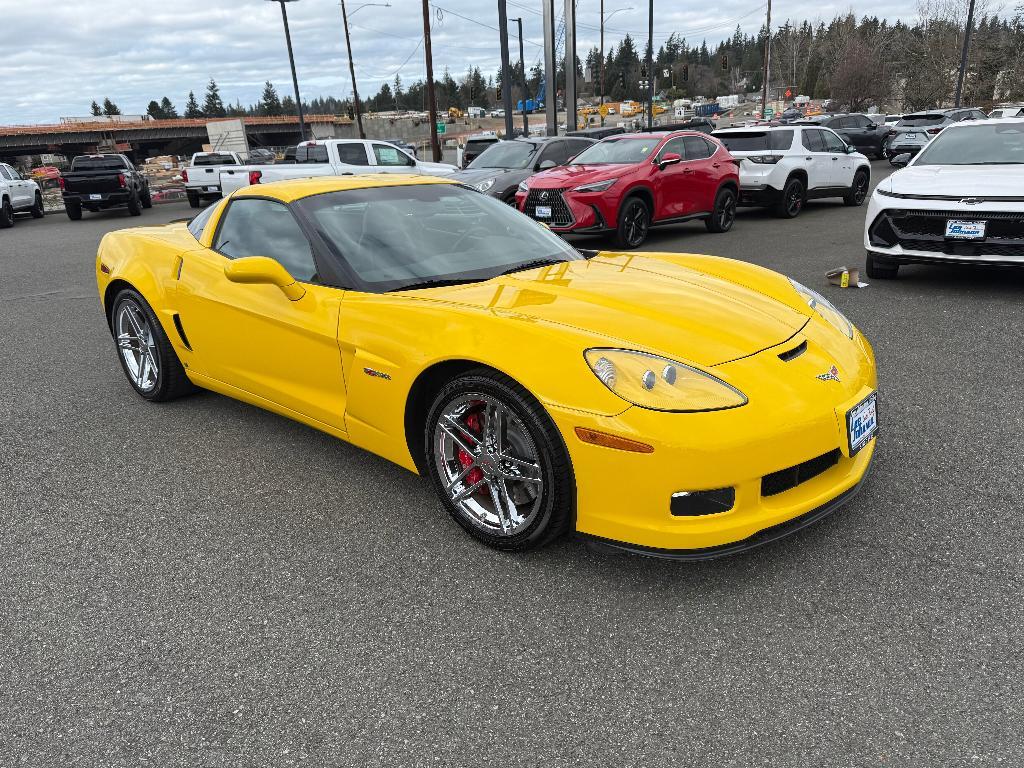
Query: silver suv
(910, 135)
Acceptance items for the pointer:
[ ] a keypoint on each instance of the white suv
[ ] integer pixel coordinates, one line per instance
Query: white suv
(782, 167)
(17, 195)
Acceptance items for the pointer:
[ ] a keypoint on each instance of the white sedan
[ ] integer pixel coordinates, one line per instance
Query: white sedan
(960, 201)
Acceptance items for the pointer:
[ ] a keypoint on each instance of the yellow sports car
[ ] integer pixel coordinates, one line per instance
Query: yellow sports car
(676, 405)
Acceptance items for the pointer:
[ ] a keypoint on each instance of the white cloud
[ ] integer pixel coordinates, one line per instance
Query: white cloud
(59, 56)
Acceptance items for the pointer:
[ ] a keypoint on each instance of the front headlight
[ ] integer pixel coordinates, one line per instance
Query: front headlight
(523, 187)
(484, 185)
(824, 307)
(660, 384)
(597, 186)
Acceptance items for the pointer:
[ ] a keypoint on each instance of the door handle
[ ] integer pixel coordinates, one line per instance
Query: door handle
(808, 158)
(835, 158)
(688, 170)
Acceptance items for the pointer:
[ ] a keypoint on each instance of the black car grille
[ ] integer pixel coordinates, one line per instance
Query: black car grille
(791, 477)
(926, 231)
(561, 216)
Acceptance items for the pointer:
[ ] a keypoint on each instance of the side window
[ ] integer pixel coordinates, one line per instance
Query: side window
(836, 122)
(696, 148)
(254, 227)
(311, 153)
(352, 154)
(5, 172)
(978, 114)
(555, 151)
(198, 224)
(388, 155)
(673, 146)
(576, 146)
(811, 139)
(833, 143)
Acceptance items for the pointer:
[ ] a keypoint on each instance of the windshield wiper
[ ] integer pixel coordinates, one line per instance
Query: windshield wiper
(435, 284)
(531, 265)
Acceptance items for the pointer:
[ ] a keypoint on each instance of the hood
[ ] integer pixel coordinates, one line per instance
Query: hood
(639, 302)
(574, 175)
(438, 169)
(983, 181)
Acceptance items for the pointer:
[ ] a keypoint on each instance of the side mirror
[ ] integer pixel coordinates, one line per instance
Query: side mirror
(850, 149)
(669, 158)
(546, 164)
(264, 271)
(900, 160)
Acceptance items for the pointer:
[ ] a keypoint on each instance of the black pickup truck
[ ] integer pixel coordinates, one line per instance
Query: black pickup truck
(96, 182)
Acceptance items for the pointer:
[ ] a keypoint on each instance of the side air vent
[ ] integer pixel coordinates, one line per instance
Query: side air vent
(181, 331)
(793, 353)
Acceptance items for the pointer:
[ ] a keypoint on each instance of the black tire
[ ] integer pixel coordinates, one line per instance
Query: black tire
(554, 513)
(880, 269)
(883, 152)
(73, 210)
(634, 224)
(724, 214)
(37, 210)
(794, 195)
(193, 199)
(859, 189)
(147, 198)
(6, 214)
(171, 381)
(134, 205)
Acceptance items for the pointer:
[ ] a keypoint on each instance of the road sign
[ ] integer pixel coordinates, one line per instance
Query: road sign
(441, 128)
(603, 110)
(769, 113)
(788, 93)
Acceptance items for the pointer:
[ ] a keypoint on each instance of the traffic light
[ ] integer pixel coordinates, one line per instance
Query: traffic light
(498, 93)
(725, 62)
(643, 71)
(622, 79)
(686, 72)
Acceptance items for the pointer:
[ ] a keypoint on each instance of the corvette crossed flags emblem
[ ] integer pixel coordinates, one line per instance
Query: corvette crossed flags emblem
(832, 374)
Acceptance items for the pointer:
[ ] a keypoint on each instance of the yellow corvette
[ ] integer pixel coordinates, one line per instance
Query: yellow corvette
(676, 405)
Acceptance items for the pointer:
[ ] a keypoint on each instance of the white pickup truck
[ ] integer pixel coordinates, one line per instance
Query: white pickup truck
(333, 157)
(202, 177)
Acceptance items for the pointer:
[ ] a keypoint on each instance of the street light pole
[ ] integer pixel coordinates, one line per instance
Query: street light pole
(650, 65)
(291, 61)
(351, 63)
(767, 61)
(522, 68)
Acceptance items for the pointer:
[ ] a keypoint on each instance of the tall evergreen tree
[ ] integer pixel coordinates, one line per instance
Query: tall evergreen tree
(110, 108)
(168, 108)
(95, 108)
(192, 109)
(270, 102)
(213, 106)
(154, 111)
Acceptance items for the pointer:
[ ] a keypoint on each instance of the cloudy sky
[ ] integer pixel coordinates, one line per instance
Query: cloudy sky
(58, 56)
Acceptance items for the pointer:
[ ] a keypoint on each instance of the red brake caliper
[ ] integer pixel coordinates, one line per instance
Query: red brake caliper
(476, 474)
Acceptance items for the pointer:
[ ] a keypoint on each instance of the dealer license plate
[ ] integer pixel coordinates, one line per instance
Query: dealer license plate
(95, 197)
(862, 423)
(965, 230)
(910, 135)
(543, 211)
(211, 189)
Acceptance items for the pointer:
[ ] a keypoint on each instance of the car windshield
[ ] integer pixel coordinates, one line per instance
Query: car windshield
(984, 144)
(918, 121)
(505, 154)
(214, 159)
(755, 141)
(624, 150)
(414, 236)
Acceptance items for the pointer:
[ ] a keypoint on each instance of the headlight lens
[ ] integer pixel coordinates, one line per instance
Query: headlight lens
(597, 186)
(484, 185)
(824, 307)
(523, 187)
(660, 384)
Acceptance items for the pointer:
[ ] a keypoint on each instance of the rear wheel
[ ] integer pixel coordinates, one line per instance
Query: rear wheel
(498, 462)
(880, 269)
(193, 199)
(147, 198)
(724, 214)
(147, 357)
(73, 210)
(858, 190)
(6, 214)
(134, 205)
(793, 196)
(37, 207)
(634, 222)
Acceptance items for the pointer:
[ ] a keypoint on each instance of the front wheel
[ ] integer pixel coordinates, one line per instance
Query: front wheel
(37, 207)
(147, 198)
(498, 462)
(134, 205)
(147, 357)
(858, 190)
(724, 214)
(634, 221)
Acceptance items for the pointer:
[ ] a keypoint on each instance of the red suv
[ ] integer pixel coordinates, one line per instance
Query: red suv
(626, 184)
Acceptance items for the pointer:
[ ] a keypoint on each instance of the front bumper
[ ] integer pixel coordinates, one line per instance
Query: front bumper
(792, 418)
(583, 212)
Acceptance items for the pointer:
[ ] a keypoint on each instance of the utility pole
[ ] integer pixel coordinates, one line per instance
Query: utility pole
(352, 71)
(550, 69)
(767, 60)
(650, 64)
(571, 118)
(522, 69)
(602, 57)
(291, 60)
(963, 55)
(506, 72)
(435, 147)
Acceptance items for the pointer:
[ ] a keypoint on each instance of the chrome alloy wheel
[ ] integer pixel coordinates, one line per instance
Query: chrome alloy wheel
(137, 345)
(727, 214)
(488, 464)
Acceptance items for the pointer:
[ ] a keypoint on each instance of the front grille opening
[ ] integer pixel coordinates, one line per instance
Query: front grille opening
(791, 477)
(793, 353)
(923, 230)
(561, 216)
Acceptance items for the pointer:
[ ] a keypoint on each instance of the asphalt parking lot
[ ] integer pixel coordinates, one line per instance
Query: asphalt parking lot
(205, 584)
